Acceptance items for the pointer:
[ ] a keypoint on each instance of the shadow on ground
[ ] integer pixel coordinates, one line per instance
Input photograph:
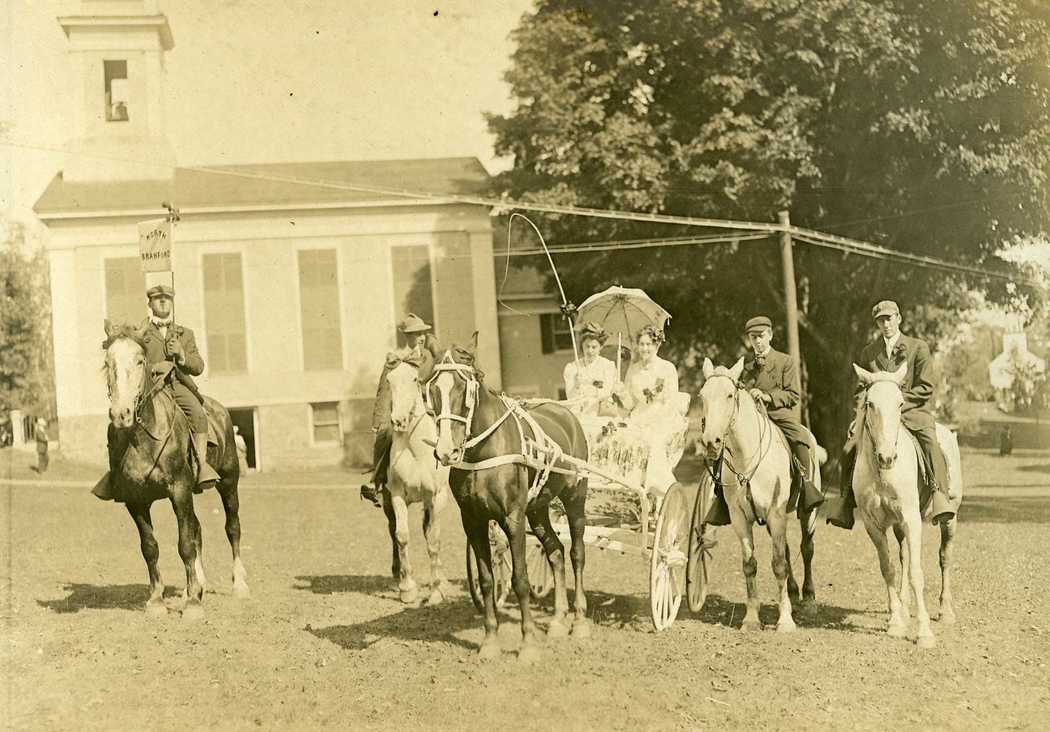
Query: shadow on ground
(718, 610)
(331, 584)
(1005, 509)
(98, 597)
(427, 623)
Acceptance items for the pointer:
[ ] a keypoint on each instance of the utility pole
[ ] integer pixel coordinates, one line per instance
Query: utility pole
(790, 299)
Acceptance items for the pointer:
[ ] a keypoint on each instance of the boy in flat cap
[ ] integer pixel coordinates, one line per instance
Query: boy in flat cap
(887, 353)
(424, 351)
(769, 376)
(171, 346)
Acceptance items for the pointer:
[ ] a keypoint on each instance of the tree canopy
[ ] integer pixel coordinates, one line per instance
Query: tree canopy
(921, 126)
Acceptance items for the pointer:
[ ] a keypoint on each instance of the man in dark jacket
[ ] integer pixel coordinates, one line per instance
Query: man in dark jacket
(172, 348)
(424, 351)
(887, 353)
(770, 378)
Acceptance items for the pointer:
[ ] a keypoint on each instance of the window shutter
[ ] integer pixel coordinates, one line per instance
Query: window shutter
(547, 333)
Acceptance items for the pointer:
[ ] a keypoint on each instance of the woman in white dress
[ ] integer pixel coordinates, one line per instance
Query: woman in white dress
(650, 392)
(590, 380)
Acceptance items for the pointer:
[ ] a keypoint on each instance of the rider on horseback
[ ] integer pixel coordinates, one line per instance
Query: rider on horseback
(887, 354)
(425, 351)
(769, 376)
(171, 349)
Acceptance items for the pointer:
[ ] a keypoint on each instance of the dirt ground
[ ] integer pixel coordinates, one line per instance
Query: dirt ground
(324, 640)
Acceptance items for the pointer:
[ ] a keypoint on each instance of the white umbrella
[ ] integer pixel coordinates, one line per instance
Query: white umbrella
(622, 311)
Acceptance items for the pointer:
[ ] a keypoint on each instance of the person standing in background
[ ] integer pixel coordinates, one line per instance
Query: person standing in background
(41, 445)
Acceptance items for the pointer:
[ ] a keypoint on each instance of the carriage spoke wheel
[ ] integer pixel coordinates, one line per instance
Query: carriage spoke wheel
(696, 581)
(541, 579)
(502, 571)
(668, 560)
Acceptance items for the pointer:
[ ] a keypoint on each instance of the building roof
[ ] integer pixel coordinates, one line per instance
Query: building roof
(193, 188)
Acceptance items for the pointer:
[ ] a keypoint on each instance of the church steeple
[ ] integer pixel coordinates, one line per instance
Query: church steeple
(117, 50)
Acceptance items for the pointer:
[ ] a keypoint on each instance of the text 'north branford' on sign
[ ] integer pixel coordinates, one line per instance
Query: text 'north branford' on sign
(155, 245)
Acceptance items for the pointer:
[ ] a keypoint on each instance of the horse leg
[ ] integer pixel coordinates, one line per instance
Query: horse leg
(913, 534)
(513, 526)
(406, 585)
(781, 569)
(807, 520)
(182, 502)
(440, 587)
(198, 564)
(947, 614)
(577, 516)
(231, 505)
(750, 565)
(140, 514)
(540, 521)
(898, 625)
(905, 582)
(477, 531)
(391, 525)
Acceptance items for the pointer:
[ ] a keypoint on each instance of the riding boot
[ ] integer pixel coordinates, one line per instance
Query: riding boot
(206, 475)
(839, 511)
(373, 493)
(942, 510)
(718, 511)
(105, 488)
(811, 497)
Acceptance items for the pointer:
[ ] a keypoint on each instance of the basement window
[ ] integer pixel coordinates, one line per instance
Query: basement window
(116, 76)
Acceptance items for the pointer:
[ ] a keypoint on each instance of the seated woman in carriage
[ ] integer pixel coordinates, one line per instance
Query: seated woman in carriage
(650, 394)
(590, 379)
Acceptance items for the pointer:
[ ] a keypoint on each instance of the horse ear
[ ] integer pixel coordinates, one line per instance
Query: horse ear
(900, 373)
(738, 368)
(864, 376)
(474, 343)
(109, 328)
(708, 368)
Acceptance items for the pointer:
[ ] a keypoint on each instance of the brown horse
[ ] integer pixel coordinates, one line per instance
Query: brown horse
(485, 438)
(151, 435)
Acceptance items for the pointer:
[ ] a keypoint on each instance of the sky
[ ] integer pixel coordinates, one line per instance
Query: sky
(255, 81)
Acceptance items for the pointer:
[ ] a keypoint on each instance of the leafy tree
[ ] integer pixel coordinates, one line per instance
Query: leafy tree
(920, 126)
(26, 371)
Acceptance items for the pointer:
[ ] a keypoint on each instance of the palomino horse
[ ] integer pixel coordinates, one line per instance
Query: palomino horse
(414, 476)
(152, 432)
(886, 486)
(506, 468)
(756, 478)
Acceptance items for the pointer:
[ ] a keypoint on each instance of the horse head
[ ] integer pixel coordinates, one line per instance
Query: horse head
(406, 399)
(883, 400)
(452, 395)
(125, 372)
(719, 401)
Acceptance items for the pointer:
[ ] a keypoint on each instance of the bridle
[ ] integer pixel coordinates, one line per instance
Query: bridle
(148, 389)
(870, 433)
(470, 397)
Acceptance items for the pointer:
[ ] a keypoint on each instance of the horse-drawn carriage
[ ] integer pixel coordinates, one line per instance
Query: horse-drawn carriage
(621, 511)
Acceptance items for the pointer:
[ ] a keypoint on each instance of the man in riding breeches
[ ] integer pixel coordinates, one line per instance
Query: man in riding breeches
(770, 378)
(425, 350)
(171, 348)
(888, 353)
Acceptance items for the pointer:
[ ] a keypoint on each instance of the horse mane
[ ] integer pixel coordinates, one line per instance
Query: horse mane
(466, 357)
(123, 330)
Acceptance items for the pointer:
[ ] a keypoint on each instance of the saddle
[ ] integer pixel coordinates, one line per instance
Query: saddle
(163, 373)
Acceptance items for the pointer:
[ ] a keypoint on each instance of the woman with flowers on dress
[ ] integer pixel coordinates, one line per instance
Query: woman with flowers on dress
(650, 393)
(590, 379)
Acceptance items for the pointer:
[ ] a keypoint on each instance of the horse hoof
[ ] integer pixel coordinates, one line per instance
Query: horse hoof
(751, 626)
(156, 608)
(897, 630)
(786, 627)
(241, 591)
(489, 651)
(410, 597)
(436, 598)
(581, 628)
(529, 654)
(947, 616)
(557, 629)
(193, 612)
(925, 641)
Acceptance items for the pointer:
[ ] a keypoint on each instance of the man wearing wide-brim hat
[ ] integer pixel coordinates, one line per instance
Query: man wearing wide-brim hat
(423, 350)
(889, 352)
(770, 377)
(171, 349)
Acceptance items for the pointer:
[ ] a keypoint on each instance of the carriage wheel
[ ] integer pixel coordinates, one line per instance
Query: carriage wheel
(668, 560)
(502, 570)
(696, 581)
(541, 579)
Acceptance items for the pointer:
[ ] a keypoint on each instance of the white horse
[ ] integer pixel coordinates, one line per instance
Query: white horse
(414, 476)
(886, 486)
(756, 480)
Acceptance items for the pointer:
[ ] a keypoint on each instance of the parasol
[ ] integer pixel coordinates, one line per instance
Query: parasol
(622, 311)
